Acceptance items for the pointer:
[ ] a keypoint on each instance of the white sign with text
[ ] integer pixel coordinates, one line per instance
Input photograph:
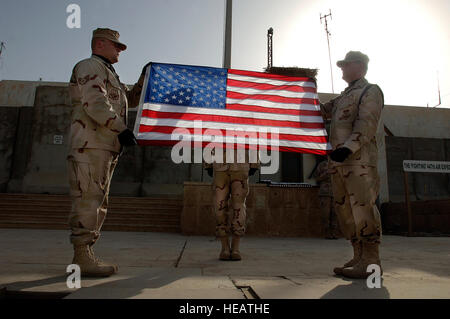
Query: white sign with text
(426, 166)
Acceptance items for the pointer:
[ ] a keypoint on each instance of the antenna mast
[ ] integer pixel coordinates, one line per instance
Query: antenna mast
(2, 46)
(325, 17)
(269, 48)
(227, 35)
(439, 89)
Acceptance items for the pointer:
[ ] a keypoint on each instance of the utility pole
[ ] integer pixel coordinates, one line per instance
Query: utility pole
(227, 35)
(269, 48)
(2, 46)
(325, 17)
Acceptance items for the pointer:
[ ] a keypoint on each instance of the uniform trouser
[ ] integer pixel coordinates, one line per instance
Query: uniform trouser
(228, 184)
(328, 215)
(355, 190)
(89, 188)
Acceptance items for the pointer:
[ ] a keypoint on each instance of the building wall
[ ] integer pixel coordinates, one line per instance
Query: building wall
(422, 186)
(35, 115)
(22, 93)
(424, 132)
(408, 121)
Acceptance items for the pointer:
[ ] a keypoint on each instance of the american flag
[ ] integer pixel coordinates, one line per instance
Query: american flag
(178, 96)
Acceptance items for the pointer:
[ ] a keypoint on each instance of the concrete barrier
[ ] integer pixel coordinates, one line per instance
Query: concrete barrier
(271, 211)
(8, 128)
(46, 169)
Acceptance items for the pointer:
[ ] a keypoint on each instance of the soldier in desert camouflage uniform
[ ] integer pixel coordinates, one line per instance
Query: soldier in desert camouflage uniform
(230, 184)
(323, 178)
(98, 133)
(355, 115)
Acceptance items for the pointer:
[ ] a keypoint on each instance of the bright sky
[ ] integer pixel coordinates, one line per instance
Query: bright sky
(407, 41)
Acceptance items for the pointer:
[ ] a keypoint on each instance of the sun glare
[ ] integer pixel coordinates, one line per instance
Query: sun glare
(402, 39)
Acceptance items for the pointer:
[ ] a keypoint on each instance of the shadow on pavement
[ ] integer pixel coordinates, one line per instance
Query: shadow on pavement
(129, 287)
(357, 289)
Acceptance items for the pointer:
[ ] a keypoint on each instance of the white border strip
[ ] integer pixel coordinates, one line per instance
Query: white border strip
(157, 107)
(149, 136)
(231, 126)
(280, 93)
(276, 105)
(253, 79)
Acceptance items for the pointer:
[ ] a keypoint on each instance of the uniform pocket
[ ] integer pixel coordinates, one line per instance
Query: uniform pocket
(346, 109)
(79, 178)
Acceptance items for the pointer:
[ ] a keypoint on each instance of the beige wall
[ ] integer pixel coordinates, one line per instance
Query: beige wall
(21, 93)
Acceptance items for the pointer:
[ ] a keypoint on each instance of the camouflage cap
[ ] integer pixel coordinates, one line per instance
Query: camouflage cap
(110, 35)
(354, 56)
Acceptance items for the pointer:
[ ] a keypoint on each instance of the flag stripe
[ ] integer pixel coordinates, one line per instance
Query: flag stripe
(269, 81)
(237, 114)
(290, 137)
(254, 108)
(273, 98)
(144, 142)
(269, 76)
(232, 126)
(231, 140)
(266, 86)
(230, 119)
(280, 93)
(287, 106)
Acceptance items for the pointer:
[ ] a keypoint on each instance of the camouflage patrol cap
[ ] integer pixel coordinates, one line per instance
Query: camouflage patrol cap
(110, 35)
(354, 56)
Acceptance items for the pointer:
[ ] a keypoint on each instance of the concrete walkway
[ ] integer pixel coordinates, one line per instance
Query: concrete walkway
(163, 265)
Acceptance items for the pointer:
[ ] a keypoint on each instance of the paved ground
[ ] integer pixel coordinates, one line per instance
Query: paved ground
(162, 265)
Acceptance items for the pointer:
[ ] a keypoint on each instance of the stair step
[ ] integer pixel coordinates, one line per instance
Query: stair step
(131, 210)
(20, 212)
(111, 213)
(64, 226)
(34, 224)
(4, 217)
(66, 198)
(42, 211)
(117, 219)
(143, 228)
(43, 202)
(125, 217)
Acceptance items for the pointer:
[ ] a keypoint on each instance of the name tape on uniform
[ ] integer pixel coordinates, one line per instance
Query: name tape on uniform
(426, 166)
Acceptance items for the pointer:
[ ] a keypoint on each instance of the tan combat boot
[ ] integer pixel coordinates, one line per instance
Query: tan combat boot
(357, 251)
(235, 254)
(370, 255)
(89, 265)
(225, 252)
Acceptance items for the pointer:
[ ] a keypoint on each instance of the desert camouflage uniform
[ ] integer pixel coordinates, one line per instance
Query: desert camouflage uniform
(322, 176)
(100, 108)
(355, 182)
(230, 183)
